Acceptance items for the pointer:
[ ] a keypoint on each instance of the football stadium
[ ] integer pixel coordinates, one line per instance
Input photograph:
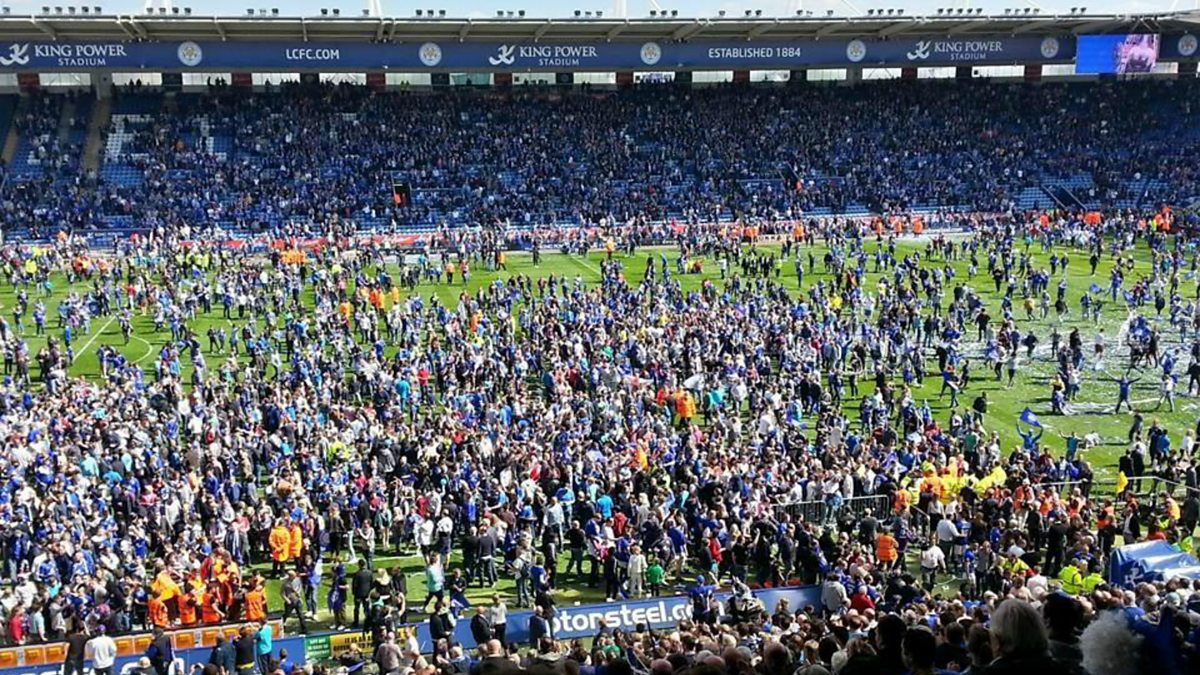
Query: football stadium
(852, 343)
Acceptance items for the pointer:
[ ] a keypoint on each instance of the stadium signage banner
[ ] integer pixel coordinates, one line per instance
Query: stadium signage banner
(533, 56)
(584, 621)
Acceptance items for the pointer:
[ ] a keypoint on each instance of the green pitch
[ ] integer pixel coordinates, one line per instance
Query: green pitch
(1032, 389)
(1094, 406)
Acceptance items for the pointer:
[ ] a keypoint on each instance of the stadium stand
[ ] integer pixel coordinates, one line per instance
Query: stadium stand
(244, 161)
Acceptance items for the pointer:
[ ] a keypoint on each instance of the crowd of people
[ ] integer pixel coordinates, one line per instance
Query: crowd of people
(644, 434)
(295, 419)
(245, 161)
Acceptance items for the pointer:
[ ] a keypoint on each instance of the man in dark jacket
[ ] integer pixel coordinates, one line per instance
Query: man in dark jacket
(360, 587)
(76, 651)
(245, 652)
(439, 622)
(538, 627)
(481, 626)
(223, 656)
(161, 652)
(486, 560)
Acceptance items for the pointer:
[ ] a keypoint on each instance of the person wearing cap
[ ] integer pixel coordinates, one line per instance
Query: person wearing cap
(104, 651)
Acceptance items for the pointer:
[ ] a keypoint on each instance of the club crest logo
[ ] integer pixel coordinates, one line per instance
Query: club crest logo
(190, 54)
(430, 54)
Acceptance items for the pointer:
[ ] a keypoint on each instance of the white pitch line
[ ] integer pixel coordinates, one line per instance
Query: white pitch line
(95, 335)
(149, 348)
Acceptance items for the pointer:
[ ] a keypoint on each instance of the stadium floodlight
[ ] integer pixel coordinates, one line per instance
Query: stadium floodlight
(510, 14)
(578, 13)
(748, 12)
(674, 13)
(721, 13)
(1083, 10)
(599, 13)
(96, 9)
(274, 11)
(653, 12)
(900, 12)
(58, 10)
(829, 12)
(70, 9)
(187, 11)
(46, 10)
(337, 11)
(83, 10)
(758, 12)
(588, 14)
(249, 12)
(441, 12)
(870, 12)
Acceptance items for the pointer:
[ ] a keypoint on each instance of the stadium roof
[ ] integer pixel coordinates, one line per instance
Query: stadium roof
(395, 29)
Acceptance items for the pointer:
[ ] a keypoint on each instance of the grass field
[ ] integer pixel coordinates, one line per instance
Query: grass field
(1031, 390)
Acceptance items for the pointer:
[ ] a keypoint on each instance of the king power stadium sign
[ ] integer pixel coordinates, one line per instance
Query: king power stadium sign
(524, 57)
(519, 57)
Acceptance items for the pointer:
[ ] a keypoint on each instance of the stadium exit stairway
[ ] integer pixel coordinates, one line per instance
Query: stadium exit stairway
(93, 148)
(8, 131)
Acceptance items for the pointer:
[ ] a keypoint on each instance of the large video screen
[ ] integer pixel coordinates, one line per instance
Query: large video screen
(1117, 54)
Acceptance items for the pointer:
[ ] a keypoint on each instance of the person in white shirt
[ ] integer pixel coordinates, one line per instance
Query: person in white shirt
(636, 570)
(932, 559)
(104, 652)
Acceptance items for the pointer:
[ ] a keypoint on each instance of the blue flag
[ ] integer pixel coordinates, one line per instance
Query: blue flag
(1028, 417)
(1094, 288)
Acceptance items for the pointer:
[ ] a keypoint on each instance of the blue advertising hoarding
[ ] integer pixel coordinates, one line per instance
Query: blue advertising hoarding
(530, 56)
(571, 622)
(1176, 47)
(189, 657)
(584, 621)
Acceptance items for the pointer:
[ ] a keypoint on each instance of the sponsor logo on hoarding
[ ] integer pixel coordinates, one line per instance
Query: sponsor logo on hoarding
(63, 54)
(504, 56)
(312, 54)
(18, 55)
(571, 621)
(957, 50)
